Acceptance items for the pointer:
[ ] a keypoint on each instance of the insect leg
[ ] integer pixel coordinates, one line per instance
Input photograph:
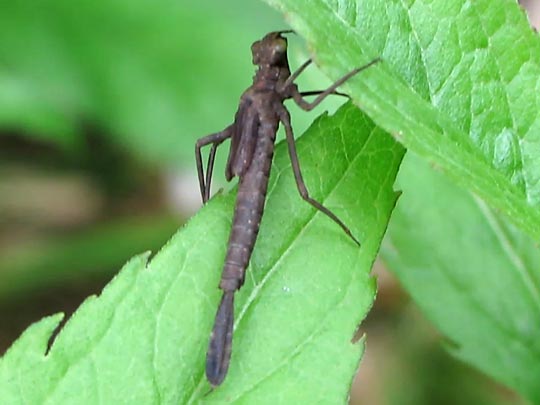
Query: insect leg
(210, 171)
(286, 121)
(317, 92)
(307, 106)
(295, 74)
(214, 139)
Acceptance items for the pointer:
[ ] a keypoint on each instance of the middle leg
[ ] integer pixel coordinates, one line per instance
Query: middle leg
(307, 106)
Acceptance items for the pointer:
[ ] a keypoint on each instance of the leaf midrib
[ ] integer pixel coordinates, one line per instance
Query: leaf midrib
(510, 252)
(293, 353)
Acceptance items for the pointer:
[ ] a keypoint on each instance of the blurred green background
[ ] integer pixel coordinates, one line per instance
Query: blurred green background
(100, 106)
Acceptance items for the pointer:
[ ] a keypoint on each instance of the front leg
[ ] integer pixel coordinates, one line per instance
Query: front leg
(307, 106)
(214, 139)
(317, 92)
(290, 80)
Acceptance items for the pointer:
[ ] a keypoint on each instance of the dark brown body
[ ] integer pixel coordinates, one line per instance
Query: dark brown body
(248, 211)
(251, 159)
(253, 134)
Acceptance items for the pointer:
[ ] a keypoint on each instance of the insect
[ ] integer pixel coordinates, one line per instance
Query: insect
(252, 135)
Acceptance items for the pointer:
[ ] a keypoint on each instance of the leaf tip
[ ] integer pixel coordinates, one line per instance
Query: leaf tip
(35, 339)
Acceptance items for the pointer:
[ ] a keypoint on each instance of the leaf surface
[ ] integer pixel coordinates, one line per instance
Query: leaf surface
(475, 276)
(458, 85)
(143, 340)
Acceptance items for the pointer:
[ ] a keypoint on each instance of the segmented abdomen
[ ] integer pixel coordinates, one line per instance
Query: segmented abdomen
(248, 210)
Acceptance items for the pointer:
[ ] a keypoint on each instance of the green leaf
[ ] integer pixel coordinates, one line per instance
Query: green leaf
(474, 276)
(457, 85)
(143, 340)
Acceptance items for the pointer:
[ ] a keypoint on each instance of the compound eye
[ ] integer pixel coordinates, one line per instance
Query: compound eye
(280, 45)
